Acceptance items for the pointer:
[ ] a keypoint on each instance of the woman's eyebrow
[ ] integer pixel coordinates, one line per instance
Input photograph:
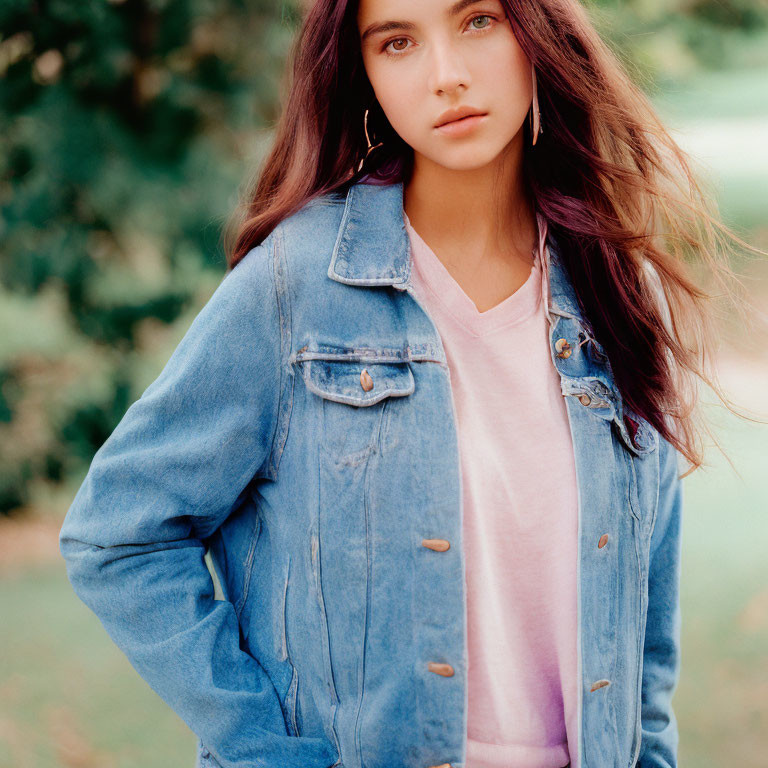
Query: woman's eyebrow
(390, 26)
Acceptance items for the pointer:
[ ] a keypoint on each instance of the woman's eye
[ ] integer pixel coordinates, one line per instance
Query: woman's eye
(396, 40)
(484, 16)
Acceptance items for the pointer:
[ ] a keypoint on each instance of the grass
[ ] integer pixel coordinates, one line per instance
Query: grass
(69, 696)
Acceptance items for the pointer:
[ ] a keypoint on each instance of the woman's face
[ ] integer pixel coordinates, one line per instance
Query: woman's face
(426, 57)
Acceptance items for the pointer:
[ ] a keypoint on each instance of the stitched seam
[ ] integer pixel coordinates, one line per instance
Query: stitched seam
(248, 566)
(368, 610)
(325, 629)
(292, 693)
(369, 354)
(637, 733)
(271, 466)
(633, 494)
(285, 404)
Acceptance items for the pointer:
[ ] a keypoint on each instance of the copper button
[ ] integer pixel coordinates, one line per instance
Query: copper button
(603, 541)
(366, 382)
(599, 684)
(446, 670)
(442, 765)
(439, 545)
(585, 399)
(563, 348)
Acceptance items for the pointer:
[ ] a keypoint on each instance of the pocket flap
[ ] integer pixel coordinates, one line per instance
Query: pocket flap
(636, 433)
(342, 380)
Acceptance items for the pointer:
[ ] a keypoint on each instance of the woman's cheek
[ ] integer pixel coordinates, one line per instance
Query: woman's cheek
(404, 115)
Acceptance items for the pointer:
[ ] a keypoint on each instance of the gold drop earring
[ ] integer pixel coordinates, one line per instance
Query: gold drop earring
(535, 115)
(368, 142)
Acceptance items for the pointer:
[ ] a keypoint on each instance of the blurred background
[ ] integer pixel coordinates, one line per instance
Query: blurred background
(127, 129)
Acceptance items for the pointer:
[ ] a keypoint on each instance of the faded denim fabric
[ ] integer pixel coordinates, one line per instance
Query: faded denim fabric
(250, 535)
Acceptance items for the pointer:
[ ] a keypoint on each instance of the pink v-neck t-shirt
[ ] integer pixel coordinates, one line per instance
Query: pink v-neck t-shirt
(520, 517)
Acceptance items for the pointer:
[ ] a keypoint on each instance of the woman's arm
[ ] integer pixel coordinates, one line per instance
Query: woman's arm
(166, 478)
(661, 655)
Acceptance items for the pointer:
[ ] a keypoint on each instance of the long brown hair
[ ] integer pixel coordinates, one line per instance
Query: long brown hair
(620, 197)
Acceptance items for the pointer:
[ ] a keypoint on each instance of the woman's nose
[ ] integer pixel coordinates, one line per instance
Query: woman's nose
(448, 69)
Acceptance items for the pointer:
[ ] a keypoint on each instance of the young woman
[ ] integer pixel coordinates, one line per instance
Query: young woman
(407, 493)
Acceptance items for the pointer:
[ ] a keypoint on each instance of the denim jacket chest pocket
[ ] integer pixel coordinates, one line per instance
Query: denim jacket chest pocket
(354, 392)
(587, 376)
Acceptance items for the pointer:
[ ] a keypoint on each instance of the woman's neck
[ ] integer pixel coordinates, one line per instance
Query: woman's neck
(486, 209)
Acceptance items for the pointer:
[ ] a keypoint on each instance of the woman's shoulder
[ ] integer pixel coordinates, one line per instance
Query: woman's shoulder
(296, 247)
(303, 243)
(314, 225)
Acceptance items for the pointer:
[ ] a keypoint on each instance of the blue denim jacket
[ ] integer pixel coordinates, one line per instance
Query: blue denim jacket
(251, 535)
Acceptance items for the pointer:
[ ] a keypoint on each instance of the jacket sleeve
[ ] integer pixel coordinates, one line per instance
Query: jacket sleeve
(661, 654)
(167, 477)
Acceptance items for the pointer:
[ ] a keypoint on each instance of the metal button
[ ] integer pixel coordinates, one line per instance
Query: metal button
(442, 765)
(563, 348)
(585, 399)
(599, 684)
(366, 382)
(446, 670)
(603, 541)
(439, 545)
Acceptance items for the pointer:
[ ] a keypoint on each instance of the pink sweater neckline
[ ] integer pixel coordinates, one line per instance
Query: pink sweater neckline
(515, 308)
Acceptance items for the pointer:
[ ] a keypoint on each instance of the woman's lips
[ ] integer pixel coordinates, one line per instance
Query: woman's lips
(463, 126)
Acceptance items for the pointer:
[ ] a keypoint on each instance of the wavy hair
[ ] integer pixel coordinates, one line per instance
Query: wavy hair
(632, 221)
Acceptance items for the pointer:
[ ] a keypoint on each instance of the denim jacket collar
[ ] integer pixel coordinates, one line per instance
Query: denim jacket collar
(372, 249)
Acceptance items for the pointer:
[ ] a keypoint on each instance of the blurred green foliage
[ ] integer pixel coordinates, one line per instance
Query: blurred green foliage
(663, 41)
(127, 128)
